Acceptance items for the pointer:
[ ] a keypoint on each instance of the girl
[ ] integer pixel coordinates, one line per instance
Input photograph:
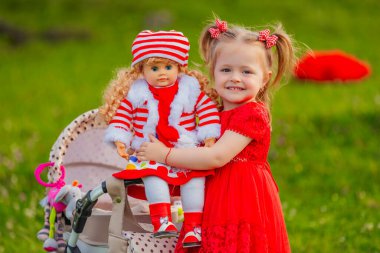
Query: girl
(242, 210)
(159, 96)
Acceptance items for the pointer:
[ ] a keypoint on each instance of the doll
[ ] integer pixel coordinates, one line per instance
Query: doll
(158, 95)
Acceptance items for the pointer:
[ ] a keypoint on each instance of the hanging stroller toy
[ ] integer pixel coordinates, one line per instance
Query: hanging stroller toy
(60, 198)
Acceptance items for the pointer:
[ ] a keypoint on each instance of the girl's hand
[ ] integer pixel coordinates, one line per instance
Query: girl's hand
(152, 151)
(121, 149)
(209, 142)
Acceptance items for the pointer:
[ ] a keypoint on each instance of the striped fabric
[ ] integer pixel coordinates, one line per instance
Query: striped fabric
(171, 45)
(127, 116)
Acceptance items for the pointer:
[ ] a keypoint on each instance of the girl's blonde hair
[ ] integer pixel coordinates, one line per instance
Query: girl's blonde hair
(281, 62)
(118, 88)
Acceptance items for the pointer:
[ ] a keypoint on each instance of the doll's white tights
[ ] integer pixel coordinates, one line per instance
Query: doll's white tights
(192, 193)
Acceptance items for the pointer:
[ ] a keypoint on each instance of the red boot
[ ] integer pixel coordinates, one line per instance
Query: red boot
(192, 229)
(161, 217)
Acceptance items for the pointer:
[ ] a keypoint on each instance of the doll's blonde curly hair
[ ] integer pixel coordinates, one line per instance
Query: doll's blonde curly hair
(118, 88)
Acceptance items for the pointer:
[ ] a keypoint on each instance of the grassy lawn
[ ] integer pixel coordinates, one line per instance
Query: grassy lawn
(325, 145)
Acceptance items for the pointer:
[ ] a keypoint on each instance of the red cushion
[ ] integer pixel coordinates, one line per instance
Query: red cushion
(331, 66)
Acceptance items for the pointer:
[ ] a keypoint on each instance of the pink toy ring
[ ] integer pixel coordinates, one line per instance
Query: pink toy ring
(41, 167)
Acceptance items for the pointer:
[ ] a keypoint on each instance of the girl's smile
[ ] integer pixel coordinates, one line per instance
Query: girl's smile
(234, 88)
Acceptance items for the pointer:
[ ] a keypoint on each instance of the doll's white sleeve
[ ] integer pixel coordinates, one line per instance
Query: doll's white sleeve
(120, 126)
(209, 120)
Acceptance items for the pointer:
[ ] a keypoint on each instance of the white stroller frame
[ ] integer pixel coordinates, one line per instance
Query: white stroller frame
(80, 148)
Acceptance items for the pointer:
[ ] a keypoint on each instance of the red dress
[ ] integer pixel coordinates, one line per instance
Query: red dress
(242, 211)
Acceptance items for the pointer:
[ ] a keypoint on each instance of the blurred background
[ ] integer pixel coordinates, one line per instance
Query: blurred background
(57, 57)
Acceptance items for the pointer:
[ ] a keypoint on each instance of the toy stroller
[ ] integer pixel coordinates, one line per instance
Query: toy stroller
(101, 223)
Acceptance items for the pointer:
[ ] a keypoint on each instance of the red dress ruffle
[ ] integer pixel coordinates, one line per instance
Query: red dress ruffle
(174, 176)
(242, 211)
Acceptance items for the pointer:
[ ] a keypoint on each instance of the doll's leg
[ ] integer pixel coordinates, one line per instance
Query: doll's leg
(157, 193)
(51, 244)
(192, 194)
(156, 190)
(43, 234)
(59, 232)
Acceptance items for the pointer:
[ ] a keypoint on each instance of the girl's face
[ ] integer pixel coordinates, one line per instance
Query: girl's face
(240, 72)
(160, 74)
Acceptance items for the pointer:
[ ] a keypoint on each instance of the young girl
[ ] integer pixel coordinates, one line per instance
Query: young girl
(242, 210)
(159, 95)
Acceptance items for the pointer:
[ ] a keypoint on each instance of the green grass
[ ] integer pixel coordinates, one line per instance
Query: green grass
(325, 147)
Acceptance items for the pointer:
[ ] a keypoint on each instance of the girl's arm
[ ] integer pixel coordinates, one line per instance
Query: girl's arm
(200, 158)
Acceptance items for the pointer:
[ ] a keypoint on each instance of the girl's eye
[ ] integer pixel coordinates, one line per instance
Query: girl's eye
(247, 72)
(225, 70)
(169, 67)
(154, 68)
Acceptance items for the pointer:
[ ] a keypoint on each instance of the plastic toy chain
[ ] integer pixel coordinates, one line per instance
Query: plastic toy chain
(41, 167)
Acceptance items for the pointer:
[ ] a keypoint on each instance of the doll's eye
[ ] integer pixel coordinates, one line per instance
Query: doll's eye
(169, 67)
(154, 68)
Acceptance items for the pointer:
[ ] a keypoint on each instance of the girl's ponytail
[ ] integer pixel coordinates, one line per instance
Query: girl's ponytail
(205, 43)
(285, 54)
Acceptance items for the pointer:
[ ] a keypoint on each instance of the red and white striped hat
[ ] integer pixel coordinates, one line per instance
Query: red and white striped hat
(171, 45)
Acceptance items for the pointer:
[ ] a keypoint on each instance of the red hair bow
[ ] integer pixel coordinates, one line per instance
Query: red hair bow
(270, 40)
(221, 27)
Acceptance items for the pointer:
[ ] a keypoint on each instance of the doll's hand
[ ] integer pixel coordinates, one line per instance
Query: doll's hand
(209, 142)
(121, 149)
(152, 151)
(131, 151)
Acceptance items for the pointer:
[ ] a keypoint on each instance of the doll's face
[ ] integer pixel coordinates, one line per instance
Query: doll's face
(160, 74)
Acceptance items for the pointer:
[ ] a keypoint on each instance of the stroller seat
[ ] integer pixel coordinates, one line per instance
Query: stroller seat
(87, 159)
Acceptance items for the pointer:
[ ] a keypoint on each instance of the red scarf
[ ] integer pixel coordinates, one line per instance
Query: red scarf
(165, 96)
